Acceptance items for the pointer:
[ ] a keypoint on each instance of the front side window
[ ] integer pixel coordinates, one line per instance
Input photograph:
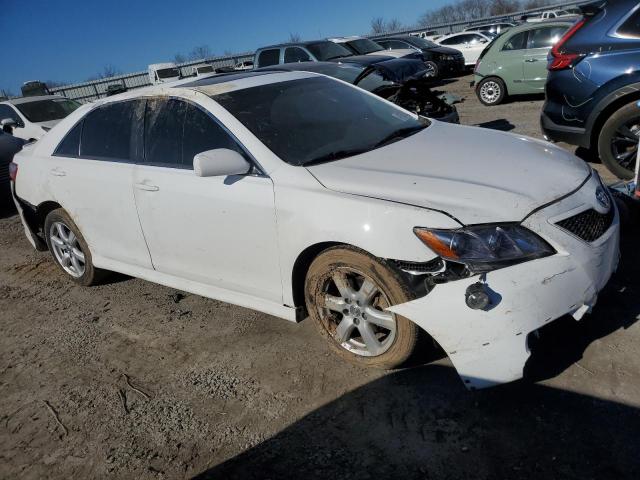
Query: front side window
(7, 112)
(163, 124)
(296, 54)
(324, 51)
(106, 132)
(516, 42)
(267, 58)
(545, 37)
(47, 110)
(315, 120)
(631, 26)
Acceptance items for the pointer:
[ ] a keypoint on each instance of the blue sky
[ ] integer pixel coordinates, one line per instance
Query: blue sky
(70, 40)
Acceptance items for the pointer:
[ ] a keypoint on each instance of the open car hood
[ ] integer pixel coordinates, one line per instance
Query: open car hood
(473, 174)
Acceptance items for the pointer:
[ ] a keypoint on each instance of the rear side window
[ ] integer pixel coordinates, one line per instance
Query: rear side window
(631, 27)
(517, 42)
(202, 133)
(296, 54)
(7, 112)
(545, 37)
(70, 146)
(106, 132)
(269, 57)
(163, 126)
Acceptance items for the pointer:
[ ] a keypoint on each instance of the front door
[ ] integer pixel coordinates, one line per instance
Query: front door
(535, 58)
(219, 231)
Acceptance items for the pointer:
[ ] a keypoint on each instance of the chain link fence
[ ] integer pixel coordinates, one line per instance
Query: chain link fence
(95, 89)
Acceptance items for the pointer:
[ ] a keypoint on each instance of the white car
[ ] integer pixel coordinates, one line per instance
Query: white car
(34, 116)
(293, 193)
(365, 46)
(471, 44)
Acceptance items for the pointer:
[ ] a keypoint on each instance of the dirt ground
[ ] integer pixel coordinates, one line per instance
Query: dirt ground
(134, 380)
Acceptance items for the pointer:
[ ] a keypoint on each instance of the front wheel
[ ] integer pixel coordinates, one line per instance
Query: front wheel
(346, 293)
(69, 249)
(491, 91)
(618, 141)
(431, 69)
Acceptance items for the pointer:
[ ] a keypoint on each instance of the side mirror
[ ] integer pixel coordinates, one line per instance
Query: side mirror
(220, 162)
(8, 124)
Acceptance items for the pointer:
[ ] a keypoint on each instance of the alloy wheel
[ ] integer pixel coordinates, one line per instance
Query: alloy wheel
(624, 144)
(490, 91)
(352, 307)
(67, 249)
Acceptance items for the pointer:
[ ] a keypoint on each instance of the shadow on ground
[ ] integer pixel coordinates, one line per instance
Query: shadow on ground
(420, 422)
(501, 124)
(7, 208)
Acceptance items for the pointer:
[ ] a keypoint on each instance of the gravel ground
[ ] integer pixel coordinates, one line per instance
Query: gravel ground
(134, 380)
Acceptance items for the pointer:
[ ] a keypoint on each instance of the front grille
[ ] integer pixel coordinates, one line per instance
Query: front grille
(589, 225)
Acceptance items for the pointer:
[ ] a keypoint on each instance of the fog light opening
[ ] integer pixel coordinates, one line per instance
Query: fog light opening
(476, 297)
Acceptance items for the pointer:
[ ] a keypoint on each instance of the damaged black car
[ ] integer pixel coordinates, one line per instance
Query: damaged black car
(399, 80)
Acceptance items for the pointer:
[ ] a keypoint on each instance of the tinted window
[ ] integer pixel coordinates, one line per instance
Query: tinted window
(7, 112)
(46, 110)
(269, 57)
(364, 46)
(545, 37)
(397, 44)
(463, 39)
(451, 41)
(70, 146)
(106, 132)
(163, 124)
(324, 51)
(631, 26)
(516, 42)
(317, 119)
(296, 54)
(202, 133)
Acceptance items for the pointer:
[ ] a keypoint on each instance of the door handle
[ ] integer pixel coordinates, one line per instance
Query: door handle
(56, 172)
(146, 187)
(531, 60)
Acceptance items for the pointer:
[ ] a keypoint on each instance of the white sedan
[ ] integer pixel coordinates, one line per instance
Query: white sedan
(32, 117)
(471, 44)
(296, 194)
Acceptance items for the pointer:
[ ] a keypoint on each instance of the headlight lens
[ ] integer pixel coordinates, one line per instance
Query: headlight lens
(486, 247)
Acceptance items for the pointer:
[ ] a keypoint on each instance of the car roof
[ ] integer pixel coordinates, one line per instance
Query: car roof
(19, 100)
(532, 25)
(295, 44)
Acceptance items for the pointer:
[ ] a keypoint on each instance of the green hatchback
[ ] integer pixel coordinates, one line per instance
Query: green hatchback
(515, 63)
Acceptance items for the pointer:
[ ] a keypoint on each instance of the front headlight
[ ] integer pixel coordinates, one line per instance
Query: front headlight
(485, 247)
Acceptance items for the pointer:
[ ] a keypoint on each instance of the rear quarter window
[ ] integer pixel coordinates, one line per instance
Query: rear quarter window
(631, 26)
(70, 145)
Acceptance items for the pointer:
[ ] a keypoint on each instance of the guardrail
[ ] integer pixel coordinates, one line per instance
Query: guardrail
(95, 89)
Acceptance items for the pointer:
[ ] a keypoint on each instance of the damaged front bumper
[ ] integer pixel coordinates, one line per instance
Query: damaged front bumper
(488, 347)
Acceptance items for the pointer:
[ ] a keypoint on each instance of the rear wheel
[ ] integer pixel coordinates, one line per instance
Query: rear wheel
(431, 69)
(491, 91)
(618, 141)
(69, 249)
(346, 293)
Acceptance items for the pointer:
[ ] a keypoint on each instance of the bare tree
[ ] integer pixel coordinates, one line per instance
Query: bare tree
(468, 10)
(179, 58)
(295, 37)
(393, 25)
(199, 52)
(5, 92)
(108, 71)
(377, 25)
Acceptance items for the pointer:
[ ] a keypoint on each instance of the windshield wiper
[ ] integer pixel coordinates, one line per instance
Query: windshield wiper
(331, 156)
(400, 134)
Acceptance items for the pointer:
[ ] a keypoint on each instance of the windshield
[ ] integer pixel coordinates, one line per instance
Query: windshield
(46, 110)
(422, 43)
(207, 69)
(365, 46)
(324, 51)
(168, 73)
(316, 120)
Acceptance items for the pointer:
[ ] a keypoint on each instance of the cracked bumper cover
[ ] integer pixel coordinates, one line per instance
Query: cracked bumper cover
(489, 347)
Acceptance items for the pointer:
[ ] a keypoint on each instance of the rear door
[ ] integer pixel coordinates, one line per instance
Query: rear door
(219, 231)
(91, 174)
(535, 59)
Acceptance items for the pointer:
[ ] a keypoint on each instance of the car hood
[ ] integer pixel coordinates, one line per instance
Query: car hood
(473, 174)
(396, 53)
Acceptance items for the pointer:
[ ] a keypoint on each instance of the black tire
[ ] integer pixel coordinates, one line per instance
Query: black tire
(616, 138)
(393, 290)
(90, 275)
(433, 71)
(491, 91)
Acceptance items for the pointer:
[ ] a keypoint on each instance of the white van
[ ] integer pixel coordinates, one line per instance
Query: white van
(163, 73)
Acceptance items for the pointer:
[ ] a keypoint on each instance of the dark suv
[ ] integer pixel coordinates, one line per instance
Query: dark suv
(593, 88)
(448, 61)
